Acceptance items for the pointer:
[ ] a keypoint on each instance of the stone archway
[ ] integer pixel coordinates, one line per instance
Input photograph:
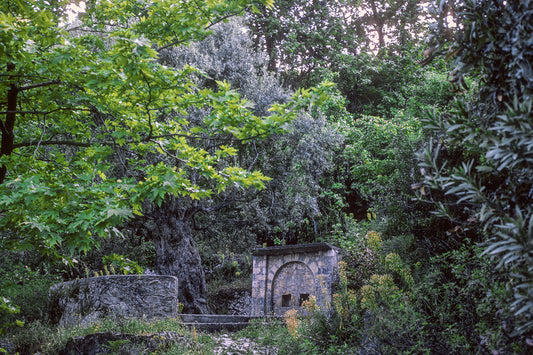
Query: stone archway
(293, 283)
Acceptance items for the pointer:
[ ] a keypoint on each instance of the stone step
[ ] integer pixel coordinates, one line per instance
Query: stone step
(213, 318)
(219, 322)
(215, 322)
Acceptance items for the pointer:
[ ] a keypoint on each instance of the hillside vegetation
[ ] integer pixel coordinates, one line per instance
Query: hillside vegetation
(176, 136)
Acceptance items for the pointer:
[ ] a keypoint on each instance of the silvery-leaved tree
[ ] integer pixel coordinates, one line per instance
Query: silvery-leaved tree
(295, 160)
(94, 127)
(482, 157)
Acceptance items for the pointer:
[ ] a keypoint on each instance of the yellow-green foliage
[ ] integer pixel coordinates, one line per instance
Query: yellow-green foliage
(345, 301)
(394, 262)
(386, 286)
(336, 318)
(125, 265)
(373, 241)
(292, 322)
(310, 305)
(7, 308)
(361, 259)
(381, 288)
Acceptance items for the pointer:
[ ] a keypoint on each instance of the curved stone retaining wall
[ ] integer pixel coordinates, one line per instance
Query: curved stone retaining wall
(80, 301)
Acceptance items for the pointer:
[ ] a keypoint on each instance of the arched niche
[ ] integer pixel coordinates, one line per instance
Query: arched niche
(293, 283)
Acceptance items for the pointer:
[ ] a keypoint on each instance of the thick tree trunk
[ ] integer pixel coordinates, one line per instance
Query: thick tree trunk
(176, 255)
(6, 128)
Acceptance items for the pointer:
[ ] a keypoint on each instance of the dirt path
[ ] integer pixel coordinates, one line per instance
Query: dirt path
(230, 346)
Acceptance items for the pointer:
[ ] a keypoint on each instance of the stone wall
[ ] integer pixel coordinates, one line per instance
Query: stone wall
(285, 276)
(81, 301)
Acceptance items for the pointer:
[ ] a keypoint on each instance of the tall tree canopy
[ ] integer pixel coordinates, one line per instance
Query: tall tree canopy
(93, 125)
(304, 38)
(300, 37)
(295, 160)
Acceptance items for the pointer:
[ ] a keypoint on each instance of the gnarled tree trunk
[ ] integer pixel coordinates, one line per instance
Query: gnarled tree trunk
(176, 254)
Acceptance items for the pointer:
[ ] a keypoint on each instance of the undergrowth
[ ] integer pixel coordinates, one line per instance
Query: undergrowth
(37, 337)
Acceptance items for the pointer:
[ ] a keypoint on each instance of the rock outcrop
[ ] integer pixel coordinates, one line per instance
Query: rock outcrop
(144, 296)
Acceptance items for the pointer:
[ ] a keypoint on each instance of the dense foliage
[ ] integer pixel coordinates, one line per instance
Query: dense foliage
(369, 48)
(94, 126)
(75, 101)
(173, 131)
(490, 180)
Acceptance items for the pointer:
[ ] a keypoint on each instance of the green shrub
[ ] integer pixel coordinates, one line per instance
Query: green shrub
(272, 333)
(489, 179)
(377, 166)
(463, 297)
(27, 289)
(398, 328)
(7, 309)
(129, 245)
(361, 262)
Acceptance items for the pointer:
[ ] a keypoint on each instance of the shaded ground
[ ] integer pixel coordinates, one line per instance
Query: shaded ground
(226, 345)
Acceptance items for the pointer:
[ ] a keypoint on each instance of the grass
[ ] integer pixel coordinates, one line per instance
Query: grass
(37, 337)
(273, 337)
(269, 336)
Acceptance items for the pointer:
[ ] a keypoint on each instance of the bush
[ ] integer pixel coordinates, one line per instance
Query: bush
(490, 180)
(7, 309)
(361, 261)
(462, 297)
(378, 164)
(38, 337)
(119, 263)
(327, 329)
(27, 289)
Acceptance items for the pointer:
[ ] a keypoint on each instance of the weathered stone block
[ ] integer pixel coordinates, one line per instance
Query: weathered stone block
(81, 301)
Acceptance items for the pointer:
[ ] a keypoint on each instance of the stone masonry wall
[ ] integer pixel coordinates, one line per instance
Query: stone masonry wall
(292, 272)
(81, 301)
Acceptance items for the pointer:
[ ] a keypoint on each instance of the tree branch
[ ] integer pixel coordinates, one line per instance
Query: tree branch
(59, 142)
(43, 112)
(38, 85)
(22, 76)
(110, 143)
(257, 153)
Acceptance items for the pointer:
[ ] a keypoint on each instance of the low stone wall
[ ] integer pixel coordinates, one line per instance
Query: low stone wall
(81, 301)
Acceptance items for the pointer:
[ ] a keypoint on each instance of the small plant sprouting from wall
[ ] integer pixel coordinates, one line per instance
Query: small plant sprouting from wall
(121, 264)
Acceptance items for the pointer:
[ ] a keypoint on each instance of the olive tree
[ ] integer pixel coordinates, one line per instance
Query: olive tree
(94, 127)
(296, 160)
